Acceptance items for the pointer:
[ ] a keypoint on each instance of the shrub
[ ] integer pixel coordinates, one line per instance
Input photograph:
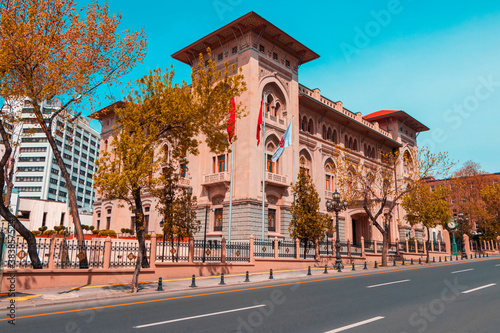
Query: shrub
(61, 232)
(148, 236)
(49, 232)
(110, 233)
(91, 228)
(42, 229)
(158, 236)
(95, 232)
(123, 230)
(36, 232)
(59, 228)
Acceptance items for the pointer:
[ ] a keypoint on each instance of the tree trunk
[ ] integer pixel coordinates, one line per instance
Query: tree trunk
(428, 243)
(73, 205)
(27, 235)
(385, 246)
(142, 260)
(305, 247)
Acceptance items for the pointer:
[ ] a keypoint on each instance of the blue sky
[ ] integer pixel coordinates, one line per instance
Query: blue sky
(438, 61)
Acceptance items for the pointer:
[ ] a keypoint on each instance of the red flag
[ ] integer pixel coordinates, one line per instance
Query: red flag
(231, 121)
(259, 122)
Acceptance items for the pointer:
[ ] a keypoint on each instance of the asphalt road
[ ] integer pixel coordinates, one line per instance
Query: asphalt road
(463, 297)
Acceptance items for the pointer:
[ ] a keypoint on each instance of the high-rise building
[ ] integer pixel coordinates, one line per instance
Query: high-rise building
(37, 174)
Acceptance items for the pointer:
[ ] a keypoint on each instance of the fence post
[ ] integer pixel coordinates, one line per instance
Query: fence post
(297, 248)
(52, 249)
(316, 249)
(223, 256)
(375, 247)
(416, 246)
(439, 245)
(190, 249)
(424, 244)
(250, 250)
(107, 253)
(348, 248)
(152, 251)
(407, 248)
(397, 246)
(276, 247)
(363, 246)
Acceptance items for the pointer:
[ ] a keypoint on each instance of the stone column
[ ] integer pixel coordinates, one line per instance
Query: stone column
(297, 248)
(52, 248)
(349, 248)
(190, 249)
(223, 258)
(107, 253)
(251, 259)
(397, 246)
(416, 246)
(152, 252)
(362, 246)
(407, 248)
(316, 249)
(276, 248)
(375, 247)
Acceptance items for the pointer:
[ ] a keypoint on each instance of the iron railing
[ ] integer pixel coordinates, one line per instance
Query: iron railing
(238, 251)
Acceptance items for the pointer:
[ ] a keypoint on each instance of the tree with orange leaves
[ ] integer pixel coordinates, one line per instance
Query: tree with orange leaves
(47, 52)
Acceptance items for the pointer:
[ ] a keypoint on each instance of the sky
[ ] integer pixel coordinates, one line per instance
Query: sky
(439, 61)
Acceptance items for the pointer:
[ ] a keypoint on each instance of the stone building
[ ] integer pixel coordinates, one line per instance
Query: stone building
(323, 131)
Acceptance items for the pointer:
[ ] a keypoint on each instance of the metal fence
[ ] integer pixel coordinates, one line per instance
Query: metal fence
(420, 247)
(402, 246)
(393, 248)
(309, 250)
(168, 252)
(263, 248)
(325, 248)
(19, 248)
(286, 249)
(343, 249)
(67, 252)
(356, 249)
(209, 251)
(238, 251)
(369, 247)
(124, 253)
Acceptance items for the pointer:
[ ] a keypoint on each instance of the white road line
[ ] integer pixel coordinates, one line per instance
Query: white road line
(345, 328)
(385, 284)
(478, 288)
(464, 270)
(497, 265)
(199, 316)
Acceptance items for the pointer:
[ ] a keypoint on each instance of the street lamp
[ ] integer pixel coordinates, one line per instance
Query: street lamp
(462, 220)
(335, 204)
(205, 232)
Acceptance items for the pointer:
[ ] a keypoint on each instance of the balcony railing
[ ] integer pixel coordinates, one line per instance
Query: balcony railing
(216, 178)
(275, 179)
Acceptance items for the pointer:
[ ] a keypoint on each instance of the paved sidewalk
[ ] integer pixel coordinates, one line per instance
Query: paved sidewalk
(64, 295)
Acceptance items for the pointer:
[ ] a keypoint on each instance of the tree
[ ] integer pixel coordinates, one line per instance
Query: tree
(378, 188)
(491, 198)
(175, 204)
(6, 185)
(307, 223)
(47, 52)
(160, 112)
(427, 207)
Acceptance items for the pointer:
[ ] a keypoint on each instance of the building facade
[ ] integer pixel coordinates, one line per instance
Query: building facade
(37, 175)
(323, 132)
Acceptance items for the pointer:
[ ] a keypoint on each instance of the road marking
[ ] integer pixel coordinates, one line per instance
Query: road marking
(385, 284)
(497, 265)
(199, 316)
(478, 288)
(345, 328)
(235, 290)
(463, 270)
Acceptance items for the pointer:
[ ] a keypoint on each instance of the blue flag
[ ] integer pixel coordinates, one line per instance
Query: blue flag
(285, 141)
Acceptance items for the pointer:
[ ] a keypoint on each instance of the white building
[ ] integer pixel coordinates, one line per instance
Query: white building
(37, 175)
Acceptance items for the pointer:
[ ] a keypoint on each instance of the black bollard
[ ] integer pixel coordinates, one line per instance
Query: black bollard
(394, 262)
(433, 259)
(475, 255)
(222, 283)
(411, 261)
(451, 258)
(326, 270)
(487, 255)
(439, 258)
(403, 262)
(247, 277)
(376, 266)
(365, 266)
(471, 255)
(353, 268)
(445, 258)
(309, 270)
(160, 285)
(420, 261)
(271, 274)
(456, 257)
(193, 282)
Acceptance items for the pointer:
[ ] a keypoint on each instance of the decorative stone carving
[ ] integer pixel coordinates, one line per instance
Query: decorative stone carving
(272, 199)
(218, 200)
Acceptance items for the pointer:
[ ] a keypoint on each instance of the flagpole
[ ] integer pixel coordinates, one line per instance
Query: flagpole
(293, 157)
(231, 194)
(263, 161)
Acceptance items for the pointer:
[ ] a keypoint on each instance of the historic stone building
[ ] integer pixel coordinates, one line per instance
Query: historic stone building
(322, 128)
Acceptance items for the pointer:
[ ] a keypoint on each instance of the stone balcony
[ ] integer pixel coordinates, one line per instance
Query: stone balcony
(221, 178)
(277, 180)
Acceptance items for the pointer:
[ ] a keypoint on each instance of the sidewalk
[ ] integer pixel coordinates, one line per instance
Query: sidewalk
(56, 296)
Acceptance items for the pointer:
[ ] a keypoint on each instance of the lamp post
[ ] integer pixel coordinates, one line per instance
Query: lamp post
(336, 205)
(462, 220)
(205, 232)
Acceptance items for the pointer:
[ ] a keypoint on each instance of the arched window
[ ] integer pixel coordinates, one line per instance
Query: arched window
(303, 124)
(355, 145)
(329, 176)
(350, 143)
(106, 146)
(269, 103)
(334, 136)
(324, 133)
(365, 150)
(329, 134)
(310, 128)
(346, 141)
(277, 109)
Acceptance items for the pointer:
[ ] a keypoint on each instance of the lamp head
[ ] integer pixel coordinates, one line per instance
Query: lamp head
(336, 197)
